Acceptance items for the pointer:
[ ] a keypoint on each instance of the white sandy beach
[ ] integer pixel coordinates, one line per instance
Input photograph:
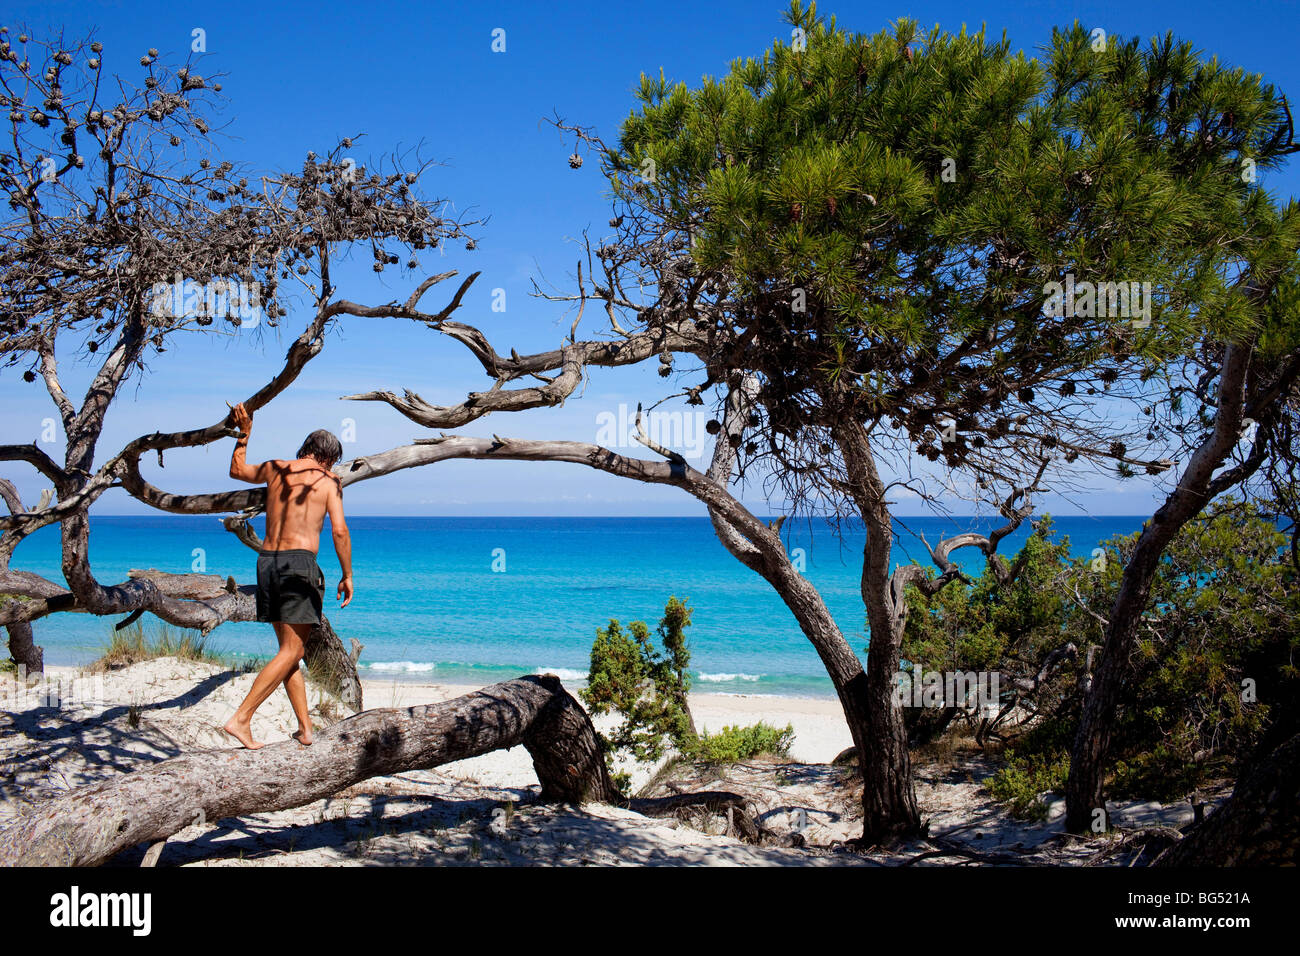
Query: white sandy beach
(820, 732)
(451, 815)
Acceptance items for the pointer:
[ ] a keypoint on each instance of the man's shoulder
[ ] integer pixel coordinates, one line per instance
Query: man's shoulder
(335, 481)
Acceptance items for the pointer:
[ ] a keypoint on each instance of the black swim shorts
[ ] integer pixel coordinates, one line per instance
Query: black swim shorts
(290, 587)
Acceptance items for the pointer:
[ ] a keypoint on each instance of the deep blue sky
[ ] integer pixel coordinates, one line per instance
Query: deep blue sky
(299, 76)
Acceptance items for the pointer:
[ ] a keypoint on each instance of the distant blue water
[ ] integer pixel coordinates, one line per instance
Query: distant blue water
(429, 605)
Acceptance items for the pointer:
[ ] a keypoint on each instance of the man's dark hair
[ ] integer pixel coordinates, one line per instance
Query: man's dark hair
(323, 446)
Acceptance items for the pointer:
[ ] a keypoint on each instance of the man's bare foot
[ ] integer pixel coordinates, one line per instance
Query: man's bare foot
(302, 736)
(243, 732)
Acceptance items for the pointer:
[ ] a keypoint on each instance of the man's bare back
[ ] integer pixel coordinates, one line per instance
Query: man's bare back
(298, 495)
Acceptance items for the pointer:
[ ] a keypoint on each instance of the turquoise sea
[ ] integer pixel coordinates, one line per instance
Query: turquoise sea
(430, 606)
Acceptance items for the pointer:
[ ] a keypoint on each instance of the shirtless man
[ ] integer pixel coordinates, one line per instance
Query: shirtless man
(290, 584)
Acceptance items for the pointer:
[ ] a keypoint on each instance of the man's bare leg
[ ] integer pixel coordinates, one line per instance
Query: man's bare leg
(275, 672)
(296, 687)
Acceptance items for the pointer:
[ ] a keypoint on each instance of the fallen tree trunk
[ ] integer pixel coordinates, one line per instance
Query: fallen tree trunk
(737, 809)
(90, 825)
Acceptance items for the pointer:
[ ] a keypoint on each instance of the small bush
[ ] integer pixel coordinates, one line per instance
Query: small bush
(646, 687)
(1019, 783)
(1164, 773)
(739, 743)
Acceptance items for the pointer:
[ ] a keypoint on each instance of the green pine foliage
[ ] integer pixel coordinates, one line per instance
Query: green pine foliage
(1215, 661)
(922, 186)
(985, 626)
(648, 688)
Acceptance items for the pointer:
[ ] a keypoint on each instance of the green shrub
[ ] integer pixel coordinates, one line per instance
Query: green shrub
(1019, 783)
(740, 743)
(649, 689)
(990, 626)
(1216, 652)
(1164, 774)
(628, 676)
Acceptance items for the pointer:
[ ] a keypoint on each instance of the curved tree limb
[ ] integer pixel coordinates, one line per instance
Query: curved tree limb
(198, 601)
(570, 361)
(35, 457)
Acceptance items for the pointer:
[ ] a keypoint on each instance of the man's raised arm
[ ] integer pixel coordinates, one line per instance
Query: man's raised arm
(239, 468)
(342, 541)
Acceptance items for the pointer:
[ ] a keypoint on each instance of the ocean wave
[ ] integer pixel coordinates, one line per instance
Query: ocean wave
(722, 678)
(563, 673)
(405, 667)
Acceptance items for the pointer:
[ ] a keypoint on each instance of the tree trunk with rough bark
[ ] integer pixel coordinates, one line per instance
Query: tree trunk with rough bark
(90, 825)
(1196, 487)
(888, 806)
(870, 709)
(329, 664)
(888, 798)
(23, 649)
(1259, 825)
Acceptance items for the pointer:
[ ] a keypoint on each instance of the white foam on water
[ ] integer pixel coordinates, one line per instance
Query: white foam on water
(563, 673)
(406, 667)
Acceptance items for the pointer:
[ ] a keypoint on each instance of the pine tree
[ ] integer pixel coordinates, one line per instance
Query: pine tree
(904, 248)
